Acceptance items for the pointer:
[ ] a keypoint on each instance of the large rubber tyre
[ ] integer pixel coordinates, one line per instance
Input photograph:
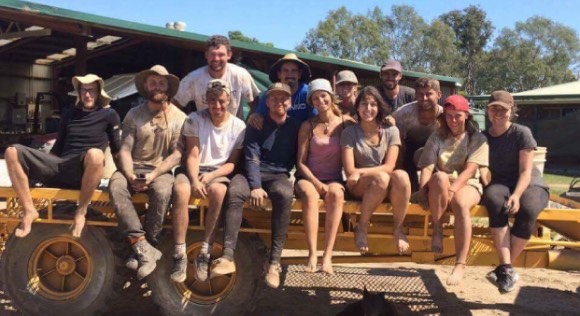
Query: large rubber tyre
(50, 273)
(225, 295)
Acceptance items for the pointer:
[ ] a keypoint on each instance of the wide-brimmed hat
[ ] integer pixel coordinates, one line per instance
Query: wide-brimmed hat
(346, 76)
(318, 85)
(279, 86)
(456, 102)
(501, 98)
(172, 80)
(87, 79)
(292, 58)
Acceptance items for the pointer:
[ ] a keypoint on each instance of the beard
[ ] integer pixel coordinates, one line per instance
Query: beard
(157, 96)
(291, 82)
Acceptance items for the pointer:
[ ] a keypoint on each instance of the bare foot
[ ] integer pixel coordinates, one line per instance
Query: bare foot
(456, 274)
(78, 225)
(26, 225)
(402, 242)
(437, 240)
(327, 265)
(311, 266)
(360, 239)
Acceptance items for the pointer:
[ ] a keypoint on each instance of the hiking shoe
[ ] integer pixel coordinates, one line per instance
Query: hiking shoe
(273, 276)
(179, 272)
(201, 266)
(132, 263)
(147, 256)
(223, 266)
(506, 279)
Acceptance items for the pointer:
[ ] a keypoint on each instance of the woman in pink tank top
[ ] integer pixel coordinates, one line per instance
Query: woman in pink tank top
(319, 170)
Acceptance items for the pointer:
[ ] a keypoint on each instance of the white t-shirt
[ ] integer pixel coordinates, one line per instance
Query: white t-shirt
(215, 143)
(194, 85)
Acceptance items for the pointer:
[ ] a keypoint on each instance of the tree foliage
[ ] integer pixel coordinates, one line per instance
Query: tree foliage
(239, 36)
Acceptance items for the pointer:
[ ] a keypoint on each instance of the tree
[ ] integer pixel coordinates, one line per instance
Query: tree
(239, 36)
(472, 31)
(439, 52)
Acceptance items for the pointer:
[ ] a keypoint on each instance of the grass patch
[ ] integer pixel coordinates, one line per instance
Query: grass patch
(558, 183)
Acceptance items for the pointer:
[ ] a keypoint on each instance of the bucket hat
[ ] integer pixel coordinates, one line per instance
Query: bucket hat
(172, 80)
(501, 98)
(293, 58)
(318, 85)
(90, 78)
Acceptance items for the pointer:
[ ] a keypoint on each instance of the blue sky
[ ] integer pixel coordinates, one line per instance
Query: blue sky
(285, 23)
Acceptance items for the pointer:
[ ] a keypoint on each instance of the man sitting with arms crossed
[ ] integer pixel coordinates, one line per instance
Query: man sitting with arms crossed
(270, 155)
(214, 139)
(76, 159)
(149, 151)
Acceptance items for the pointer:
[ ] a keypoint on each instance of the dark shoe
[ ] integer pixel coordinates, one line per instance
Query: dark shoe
(201, 266)
(491, 276)
(132, 263)
(179, 273)
(147, 256)
(506, 279)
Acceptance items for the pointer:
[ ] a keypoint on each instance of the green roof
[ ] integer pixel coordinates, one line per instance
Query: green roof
(107, 22)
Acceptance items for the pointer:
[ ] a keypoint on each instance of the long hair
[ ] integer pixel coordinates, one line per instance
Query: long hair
(373, 92)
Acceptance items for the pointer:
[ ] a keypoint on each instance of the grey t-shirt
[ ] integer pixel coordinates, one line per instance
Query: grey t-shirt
(365, 154)
(504, 155)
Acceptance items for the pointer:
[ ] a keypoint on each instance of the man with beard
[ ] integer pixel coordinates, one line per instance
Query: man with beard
(76, 159)
(149, 150)
(218, 53)
(416, 121)
(295, 73)
(394, 94)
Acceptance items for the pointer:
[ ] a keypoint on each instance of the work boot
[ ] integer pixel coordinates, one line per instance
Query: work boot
(273, 275)
(147, 256)
(222, 266)
(202, 266)
(179, 273)
(506, 279)
(132, 263)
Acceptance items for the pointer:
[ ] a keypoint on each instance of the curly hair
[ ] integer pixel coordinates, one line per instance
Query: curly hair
(216, 41)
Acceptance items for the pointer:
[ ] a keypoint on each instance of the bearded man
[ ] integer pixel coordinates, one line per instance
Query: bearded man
(149, 151)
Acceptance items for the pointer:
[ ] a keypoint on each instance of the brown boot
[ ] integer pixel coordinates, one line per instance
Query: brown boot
(147, 256)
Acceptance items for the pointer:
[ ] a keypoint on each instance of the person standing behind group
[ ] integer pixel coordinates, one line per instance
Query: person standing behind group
(394, 95)
(515, 189)
(346, 91)
(214, 140)
(319, 170)
(449, 166)
(193, 86)
(369, 154)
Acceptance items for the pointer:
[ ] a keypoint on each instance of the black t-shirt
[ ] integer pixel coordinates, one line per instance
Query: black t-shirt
(80, 131)
(504, 155)
(406, 95)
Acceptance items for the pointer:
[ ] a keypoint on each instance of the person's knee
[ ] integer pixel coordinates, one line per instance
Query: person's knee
(381, 180)
(400, 179)
(523, 227)
(460, 207)
(181, 191)
(11, 154)
(237, 190)
(216, 190)
(335, 194)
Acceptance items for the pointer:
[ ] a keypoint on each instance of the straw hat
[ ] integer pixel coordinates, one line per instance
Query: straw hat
(172, 80)
(292, 58)
(90, 78)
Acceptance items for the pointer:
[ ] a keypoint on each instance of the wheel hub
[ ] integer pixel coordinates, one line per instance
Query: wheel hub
(65, 265)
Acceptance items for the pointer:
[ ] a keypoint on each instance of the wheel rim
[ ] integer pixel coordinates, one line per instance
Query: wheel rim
(59, 269)
(209, 291)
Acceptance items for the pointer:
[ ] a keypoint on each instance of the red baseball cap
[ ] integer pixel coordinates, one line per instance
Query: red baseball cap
(457, 103)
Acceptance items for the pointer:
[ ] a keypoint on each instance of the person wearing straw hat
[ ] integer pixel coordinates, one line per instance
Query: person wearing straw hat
(270, 155)
(218, 53)
(76, 159)
(149, 151)
(294, 72)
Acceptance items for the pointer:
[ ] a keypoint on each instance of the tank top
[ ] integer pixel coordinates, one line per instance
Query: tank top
(324, 157)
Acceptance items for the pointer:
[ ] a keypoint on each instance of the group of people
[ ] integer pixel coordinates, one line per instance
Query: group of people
(342, 142)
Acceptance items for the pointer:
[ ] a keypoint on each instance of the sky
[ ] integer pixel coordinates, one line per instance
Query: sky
(285, 23)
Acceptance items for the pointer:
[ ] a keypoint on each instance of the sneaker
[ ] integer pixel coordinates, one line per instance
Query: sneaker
(273, 276)
(147, 256)
(223, 266)
(506, 279)
(491, 276)
(132, 263)
(201, 266)
(179, 273)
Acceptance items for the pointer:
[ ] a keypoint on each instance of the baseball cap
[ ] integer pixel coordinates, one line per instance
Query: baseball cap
(346, 76)
(219, 84)
(279, 86)
(501, 98)
(457, 103)
(392, 64)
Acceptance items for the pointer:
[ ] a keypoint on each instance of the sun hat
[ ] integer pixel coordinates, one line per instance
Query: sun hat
(87, 79)
(456, 102)
(501, 98)
(292, 58)
(318, 85)
(172, 80)
(392, 65)
(346, 76)
(279, 86)
(218, 85)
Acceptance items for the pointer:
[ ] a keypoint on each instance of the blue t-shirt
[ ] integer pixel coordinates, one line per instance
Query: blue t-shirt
(300, 110)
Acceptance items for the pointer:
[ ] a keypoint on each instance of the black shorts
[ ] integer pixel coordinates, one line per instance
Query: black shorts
(51, 170)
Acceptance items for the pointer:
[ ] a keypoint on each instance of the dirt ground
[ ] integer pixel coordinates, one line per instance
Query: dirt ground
(416, 289)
